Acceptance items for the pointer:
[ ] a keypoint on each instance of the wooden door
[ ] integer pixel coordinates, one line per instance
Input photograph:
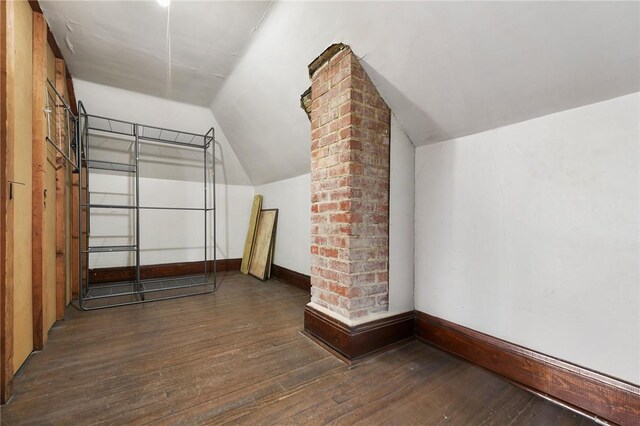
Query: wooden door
(21, 197)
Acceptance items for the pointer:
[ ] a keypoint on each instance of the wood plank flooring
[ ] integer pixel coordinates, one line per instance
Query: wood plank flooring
(238, 357)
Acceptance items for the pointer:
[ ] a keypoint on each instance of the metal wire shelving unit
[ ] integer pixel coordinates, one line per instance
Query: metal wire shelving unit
(138, 290)
(61, 126)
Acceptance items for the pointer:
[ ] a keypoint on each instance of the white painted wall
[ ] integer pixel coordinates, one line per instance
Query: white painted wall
(401, 221)
(169, 177)
(167, 236)
(138, 108)
(530, 233)
(446, 68)
(124, 44)
(293, 236)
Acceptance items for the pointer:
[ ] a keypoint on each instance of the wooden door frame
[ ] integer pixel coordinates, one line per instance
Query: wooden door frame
(6, 208)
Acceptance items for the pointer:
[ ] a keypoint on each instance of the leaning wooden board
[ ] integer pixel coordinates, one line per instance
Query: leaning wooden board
(251, 233)
(265, 236)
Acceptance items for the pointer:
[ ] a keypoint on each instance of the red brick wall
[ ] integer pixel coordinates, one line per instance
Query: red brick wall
(350, 125)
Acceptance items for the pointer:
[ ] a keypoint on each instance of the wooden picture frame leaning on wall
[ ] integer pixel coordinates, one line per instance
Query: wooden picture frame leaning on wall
(261, 252)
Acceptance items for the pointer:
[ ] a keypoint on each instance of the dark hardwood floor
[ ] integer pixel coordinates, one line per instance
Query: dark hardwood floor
(238, 357)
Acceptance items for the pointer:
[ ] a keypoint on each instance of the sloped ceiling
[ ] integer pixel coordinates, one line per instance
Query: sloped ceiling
(129, 44)
(446, 69)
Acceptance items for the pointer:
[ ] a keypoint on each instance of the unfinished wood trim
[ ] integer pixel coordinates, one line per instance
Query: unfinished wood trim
(79, 236)
(53, 44)
(71, 92)
(61, 169)
(39, 163)
(68, 219)
(75, 240)
(35, 6)
(84, 234)
(606, 397)
(6, 211)
(68, 243)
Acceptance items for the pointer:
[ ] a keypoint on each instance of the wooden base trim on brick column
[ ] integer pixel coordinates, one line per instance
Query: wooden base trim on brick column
(291, 277)
(127, 273)
(352, 343)
(604, 396)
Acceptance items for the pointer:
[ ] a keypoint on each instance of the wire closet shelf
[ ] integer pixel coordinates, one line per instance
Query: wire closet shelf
(137, 284)
(61, 126)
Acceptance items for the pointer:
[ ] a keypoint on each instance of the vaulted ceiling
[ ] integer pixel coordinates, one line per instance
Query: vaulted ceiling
(130, 44)
(446, 69)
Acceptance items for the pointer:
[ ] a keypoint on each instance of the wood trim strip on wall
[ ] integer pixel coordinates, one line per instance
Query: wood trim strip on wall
(51, 40)
(353, 343)
(604, 396)
(38, 174)
(35, 6)
(6, 211)
(61, 231)
(127, 273)
(71, 91)
(75, 236)
(291, 277)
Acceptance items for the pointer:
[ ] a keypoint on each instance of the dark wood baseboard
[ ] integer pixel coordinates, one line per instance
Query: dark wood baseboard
(359, 341)
(127, 273)
(294, 278)
(604, 396)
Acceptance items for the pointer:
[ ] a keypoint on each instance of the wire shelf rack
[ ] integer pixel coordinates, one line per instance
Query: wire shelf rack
(61, 131)
(102, 295)
(148, 133)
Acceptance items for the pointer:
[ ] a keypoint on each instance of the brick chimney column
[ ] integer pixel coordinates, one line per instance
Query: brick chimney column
(350, 132)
